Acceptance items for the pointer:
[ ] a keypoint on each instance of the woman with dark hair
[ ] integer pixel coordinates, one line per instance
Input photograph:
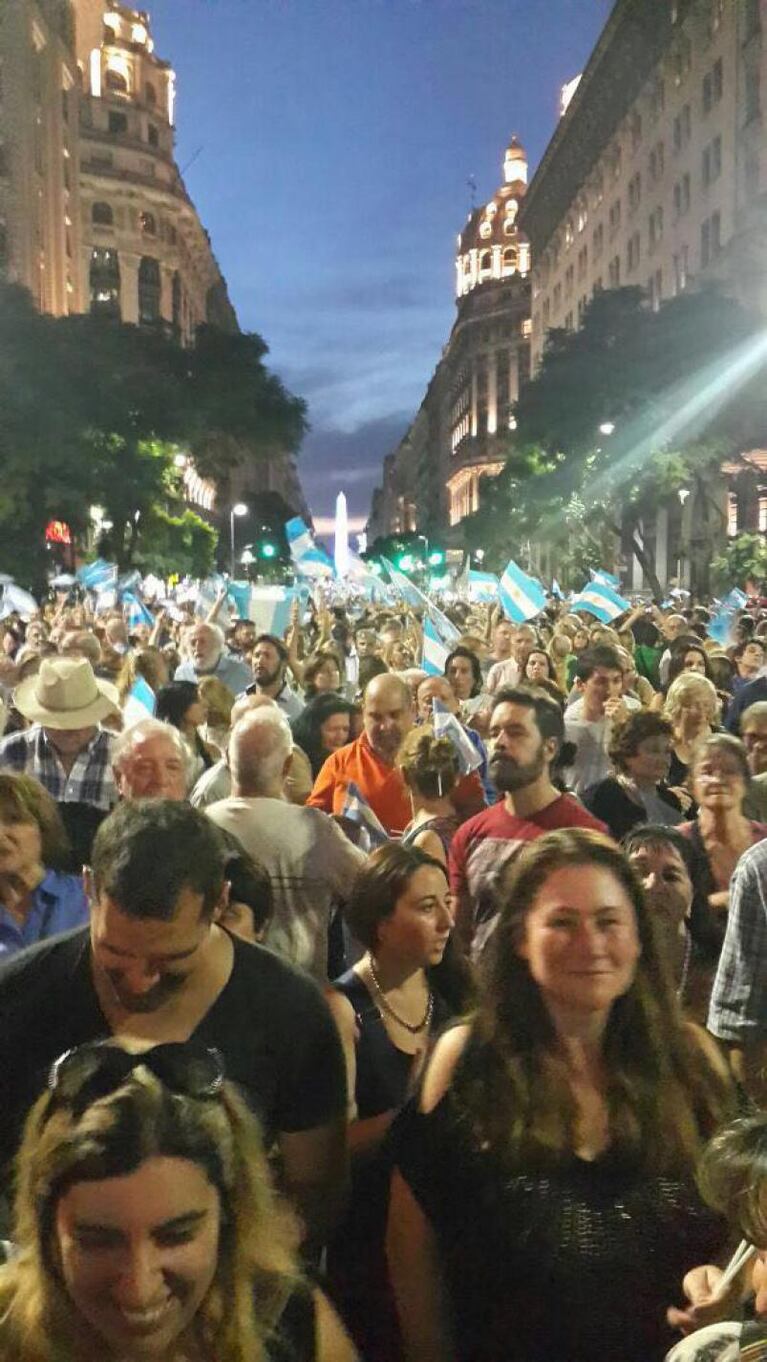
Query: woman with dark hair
(322, 674)
(544, 1202)
(146, 1226)
(430, 769)
(720, 834)
(636, 792)
(386, 1008)
(323, 726)
(37, 900)
(463, 670)
(539, 670)
(178, 703)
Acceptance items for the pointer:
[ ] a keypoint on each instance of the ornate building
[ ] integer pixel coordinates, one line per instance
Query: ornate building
(40, 244)
(656, 176)
(431, 481)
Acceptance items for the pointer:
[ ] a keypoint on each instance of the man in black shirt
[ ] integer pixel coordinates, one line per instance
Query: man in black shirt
(154, 967)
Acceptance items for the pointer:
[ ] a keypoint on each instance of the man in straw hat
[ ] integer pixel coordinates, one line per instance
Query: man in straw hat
(65, 748)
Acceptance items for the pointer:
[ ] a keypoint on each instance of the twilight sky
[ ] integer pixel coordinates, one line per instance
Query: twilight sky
(332, 144)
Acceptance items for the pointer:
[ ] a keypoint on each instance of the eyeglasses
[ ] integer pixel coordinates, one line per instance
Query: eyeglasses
(82, 1076)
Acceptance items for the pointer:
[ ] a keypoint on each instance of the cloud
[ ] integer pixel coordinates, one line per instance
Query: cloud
(351, 461)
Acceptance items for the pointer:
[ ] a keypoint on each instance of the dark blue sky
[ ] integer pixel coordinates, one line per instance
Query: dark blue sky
(336, 138)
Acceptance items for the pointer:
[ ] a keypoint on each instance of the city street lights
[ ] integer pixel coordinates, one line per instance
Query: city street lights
(607, 428)
(238, 509)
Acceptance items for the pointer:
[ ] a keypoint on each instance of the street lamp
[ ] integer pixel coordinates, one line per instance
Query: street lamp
(607, 428)
(238, 509)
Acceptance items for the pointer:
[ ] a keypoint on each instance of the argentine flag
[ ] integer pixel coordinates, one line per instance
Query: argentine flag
(601, 601)
(143, 694)
(446, 725)
(605, 577)
(308, 558)
(482, 587)
(136, 612)
(522, 597)
(434, 651)
(357, 810)
(97, 575)
(420, 601)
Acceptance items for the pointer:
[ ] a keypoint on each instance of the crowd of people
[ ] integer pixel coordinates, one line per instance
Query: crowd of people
(349, 1010)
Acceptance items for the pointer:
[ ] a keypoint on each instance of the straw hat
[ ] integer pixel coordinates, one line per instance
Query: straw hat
(65, 694)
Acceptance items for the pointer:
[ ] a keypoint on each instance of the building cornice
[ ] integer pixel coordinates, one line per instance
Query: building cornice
(632, 42)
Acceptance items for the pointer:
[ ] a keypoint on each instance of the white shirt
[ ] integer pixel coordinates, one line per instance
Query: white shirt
(504, 673)
(310, 863)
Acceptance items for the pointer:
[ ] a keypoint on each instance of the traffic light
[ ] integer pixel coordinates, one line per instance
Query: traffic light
(406, 562)
(436, 558)
(267, 549)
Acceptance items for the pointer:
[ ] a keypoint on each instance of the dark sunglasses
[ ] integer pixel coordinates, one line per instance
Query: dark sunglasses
(95, 1070)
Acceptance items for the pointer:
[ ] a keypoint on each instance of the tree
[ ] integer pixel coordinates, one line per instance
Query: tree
(744, 560)
(626, 411)
(93, 411)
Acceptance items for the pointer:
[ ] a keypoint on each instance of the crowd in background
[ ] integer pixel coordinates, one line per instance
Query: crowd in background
(351, 1009)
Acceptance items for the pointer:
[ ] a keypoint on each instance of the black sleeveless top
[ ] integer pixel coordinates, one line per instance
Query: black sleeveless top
(575, 1262)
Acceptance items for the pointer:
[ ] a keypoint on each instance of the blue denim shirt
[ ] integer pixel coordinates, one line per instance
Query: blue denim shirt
(58, 905)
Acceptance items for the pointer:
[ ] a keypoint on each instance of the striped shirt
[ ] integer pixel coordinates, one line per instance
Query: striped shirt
(90, 780)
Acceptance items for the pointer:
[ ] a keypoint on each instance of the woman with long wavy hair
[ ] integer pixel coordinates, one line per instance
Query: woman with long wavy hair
(543, 1203)
(146, 1226)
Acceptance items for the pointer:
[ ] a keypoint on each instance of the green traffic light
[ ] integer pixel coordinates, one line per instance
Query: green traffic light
(436, 557)
(406, 562)
(268, 551)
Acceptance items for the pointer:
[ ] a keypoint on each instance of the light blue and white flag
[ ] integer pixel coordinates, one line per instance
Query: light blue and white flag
(601, 601)
(414, 596)
(435, 653)
(721, 626)
(446, 725)
(607, 578)
(143, 694)
(362, 576)
(270, 607)
(556, 590)
(97, 576)
(136, 612)
(308, 558)
(735, 599)
(238, 593)
(15, 598)
(521, 596)
(357, 810)
(482, 587)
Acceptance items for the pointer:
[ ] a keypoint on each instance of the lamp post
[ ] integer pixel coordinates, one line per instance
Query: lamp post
(238, 509)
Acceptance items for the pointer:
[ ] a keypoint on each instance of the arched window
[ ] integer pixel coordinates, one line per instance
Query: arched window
(509, 259)
(485, 262)
(116, 82)
(105, 282)
(102, 215)
(148, 291)
(148, 223)
(150, 94)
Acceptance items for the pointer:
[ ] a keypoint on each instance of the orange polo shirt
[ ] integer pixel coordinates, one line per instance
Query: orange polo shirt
(382, 786)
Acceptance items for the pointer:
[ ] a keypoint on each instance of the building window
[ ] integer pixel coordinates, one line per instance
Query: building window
(153, 135)
(655, 227)
(105, 282)
(569, 280)
(762, 512)
(657, 161)
(655, 289)
(102, 215)
(148, 291)
(712, 161)
(148, 225)
(118, 123)
(615, 216)
(509, 259)
(681, 270)
(597, 241)
(633, 252)
(569, 233)
(583, 262)
(751, 171)
(614, 272)
(681, 60)
(682, 196)
(682, 128)
(712, 86)
(116, 82)
(557, 297)
(635, 192)
(3, 244)
(751, 100)
(150, 95)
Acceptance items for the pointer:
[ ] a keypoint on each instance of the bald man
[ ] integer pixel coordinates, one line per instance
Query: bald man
(370, 761)
(216, 783)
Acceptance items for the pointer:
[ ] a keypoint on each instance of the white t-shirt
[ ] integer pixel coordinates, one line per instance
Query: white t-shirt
(504, 673)
(592, 763)
(310, 863)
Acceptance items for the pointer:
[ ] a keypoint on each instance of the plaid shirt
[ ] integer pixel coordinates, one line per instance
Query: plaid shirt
(739, 997)
(89, 782)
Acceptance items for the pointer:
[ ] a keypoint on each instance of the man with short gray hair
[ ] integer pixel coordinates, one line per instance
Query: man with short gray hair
(150, 761)
(309, 861)
(208, 657)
